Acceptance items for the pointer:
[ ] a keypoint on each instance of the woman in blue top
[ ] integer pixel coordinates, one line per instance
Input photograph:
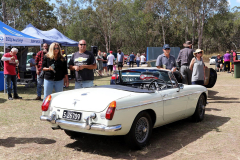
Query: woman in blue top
(198, 68)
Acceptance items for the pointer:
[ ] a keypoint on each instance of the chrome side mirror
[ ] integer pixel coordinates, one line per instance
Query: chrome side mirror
(180, 86)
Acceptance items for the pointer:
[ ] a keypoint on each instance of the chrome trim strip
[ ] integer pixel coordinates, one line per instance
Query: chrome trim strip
(157, 101)
(139, 105)
(96, 127)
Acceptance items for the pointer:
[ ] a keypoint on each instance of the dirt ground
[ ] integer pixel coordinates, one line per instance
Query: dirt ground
(24, 136)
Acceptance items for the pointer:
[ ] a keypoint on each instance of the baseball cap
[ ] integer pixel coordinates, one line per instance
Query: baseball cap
(110, 52)
(166, 46)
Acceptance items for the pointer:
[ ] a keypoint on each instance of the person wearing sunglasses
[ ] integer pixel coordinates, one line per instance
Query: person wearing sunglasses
(198, 68)
(165, 60)
(55, 68)
(83, 62)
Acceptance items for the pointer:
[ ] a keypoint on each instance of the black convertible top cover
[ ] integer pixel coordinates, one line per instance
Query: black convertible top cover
(126, 88)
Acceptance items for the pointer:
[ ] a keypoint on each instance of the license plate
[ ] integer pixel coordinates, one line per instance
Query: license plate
(72, 115)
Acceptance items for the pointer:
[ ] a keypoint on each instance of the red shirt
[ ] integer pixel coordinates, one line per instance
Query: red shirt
(10, 66)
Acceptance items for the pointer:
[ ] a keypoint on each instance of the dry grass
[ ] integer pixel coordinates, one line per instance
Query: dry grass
(24, 136)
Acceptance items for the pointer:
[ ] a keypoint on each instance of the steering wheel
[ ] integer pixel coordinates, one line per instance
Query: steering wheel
(154, 84)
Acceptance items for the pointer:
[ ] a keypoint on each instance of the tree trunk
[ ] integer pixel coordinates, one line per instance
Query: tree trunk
(4, 12)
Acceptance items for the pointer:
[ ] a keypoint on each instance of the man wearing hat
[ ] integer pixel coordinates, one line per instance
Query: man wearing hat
(165, 60)
(184, 59)
(219, 63)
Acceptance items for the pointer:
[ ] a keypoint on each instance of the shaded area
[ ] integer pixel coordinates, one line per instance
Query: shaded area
(214, 109)
(2, 100)
(12, 141)
(164, 141)
(212, 95)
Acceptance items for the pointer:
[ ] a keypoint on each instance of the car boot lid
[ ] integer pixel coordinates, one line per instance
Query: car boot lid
(87, 99)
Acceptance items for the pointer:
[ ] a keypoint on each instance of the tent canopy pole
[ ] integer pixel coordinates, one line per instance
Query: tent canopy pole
(3, 72)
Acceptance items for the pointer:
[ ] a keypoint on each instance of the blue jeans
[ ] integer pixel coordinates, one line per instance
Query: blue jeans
(200, 82)
(138, 61)
(33, 76)
(39, 85)
(49, 85)
(83, 84)
(8, 79)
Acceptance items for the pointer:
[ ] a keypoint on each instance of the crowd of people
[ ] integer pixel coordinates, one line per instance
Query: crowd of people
(51, 69)
(106, 64)
(192, 69)
(226, 62)
(50, 66)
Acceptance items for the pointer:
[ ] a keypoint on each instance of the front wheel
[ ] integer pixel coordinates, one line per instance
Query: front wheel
(200, 109)
(141, 130)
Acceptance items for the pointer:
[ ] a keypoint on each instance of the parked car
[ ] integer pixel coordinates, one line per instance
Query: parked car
(29, 56)
(143, 99)
(212, 60)
(126, 59)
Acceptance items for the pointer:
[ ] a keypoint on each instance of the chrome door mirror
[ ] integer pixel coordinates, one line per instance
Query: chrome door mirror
(180, 86)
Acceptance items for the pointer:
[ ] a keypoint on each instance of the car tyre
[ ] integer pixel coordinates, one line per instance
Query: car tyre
(73, 134)
(199, 113)
(140, 133)
(212, 78)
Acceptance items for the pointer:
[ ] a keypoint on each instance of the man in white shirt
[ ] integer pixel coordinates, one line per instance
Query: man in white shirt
(110, 62)
(143, 59)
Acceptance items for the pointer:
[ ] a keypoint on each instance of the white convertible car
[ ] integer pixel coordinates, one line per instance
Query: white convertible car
(140, 100)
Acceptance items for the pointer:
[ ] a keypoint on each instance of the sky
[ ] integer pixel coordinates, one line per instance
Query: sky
(232, 3)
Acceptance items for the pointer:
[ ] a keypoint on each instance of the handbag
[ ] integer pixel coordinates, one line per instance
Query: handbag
(41, 75)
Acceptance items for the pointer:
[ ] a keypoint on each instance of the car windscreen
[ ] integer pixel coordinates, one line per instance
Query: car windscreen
(29, 56)
(213, 57)
(68, 58)
(144, 75)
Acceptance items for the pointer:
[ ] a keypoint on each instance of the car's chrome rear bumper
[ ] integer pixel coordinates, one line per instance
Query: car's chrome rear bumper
(88, 126)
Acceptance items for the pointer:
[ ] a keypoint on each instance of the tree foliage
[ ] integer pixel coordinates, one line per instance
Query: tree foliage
(132, 25)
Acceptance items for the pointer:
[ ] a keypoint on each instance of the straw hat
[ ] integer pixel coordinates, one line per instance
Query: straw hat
(219, 55)
(227, 51)
(197, 50)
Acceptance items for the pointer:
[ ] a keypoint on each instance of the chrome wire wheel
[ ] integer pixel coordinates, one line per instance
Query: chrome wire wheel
(201, 107)
(142, 129)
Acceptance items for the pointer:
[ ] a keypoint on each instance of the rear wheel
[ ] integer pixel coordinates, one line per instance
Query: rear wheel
(141, 130)
(200, 109)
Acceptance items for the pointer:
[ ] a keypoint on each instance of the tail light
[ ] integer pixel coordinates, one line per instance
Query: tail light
(46, 103)
(114, 76)
(111, 110)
